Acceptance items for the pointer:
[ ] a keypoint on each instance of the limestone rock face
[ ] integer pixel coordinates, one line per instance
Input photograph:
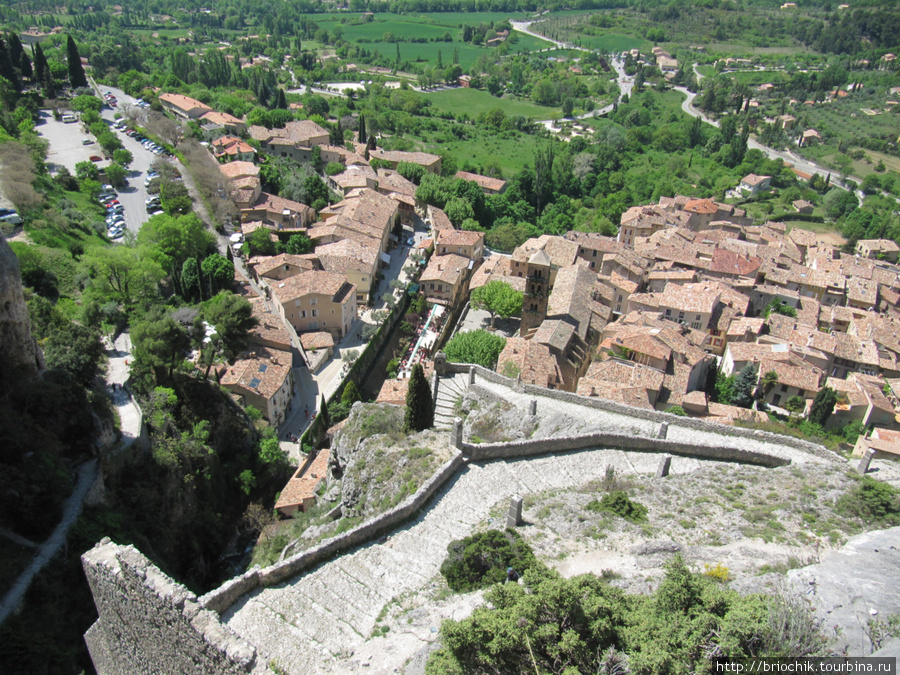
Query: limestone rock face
(22, 357)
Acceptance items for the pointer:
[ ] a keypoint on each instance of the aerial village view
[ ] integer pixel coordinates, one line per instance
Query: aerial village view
(449, 338)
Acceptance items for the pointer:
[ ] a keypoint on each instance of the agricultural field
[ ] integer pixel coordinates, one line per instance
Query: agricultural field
(474, 102)
(376, 36)
(844, 120)
(757, 77)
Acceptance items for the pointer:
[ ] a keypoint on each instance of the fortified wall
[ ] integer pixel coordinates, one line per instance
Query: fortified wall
(149, 623)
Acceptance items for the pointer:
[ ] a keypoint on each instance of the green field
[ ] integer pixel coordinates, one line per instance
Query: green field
(474, 102)
(371, 35)
(759, 77)
(510, 150)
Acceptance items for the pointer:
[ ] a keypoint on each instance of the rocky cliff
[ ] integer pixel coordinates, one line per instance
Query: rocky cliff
(21, 355)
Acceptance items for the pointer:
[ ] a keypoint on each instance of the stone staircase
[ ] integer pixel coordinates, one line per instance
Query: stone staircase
(451, 389)
(312, 624)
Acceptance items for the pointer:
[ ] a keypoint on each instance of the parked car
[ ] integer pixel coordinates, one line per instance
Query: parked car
(87, 141)
(11, 217)
(96, 158)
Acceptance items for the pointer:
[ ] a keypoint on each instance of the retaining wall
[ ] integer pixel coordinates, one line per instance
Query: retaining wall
(220, 599)
(484, 452)
(641, 413)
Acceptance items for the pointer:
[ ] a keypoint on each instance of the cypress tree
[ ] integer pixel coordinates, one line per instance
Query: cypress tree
(25, 66)
(41, 71)
(823, 406)
(419, 405)
(6, 66)
(350, 395)
(282, 100)
(744, 386)
(76, 70)
(15, 48)
(362, 129)
(323, 415)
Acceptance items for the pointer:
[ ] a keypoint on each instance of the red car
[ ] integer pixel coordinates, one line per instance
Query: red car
(96, 158)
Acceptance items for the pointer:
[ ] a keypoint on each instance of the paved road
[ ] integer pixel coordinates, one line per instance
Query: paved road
(119, 355)
(87, 473)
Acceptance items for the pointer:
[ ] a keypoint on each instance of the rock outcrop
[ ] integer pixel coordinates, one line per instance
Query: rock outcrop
(22, 357)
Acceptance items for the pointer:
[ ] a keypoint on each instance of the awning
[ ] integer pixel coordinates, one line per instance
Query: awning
(385, 258)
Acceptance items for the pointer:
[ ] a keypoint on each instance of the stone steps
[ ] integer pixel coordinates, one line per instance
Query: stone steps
(450, 390)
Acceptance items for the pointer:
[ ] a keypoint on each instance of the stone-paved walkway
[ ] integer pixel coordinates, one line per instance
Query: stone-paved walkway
(321, 622)
(119, 354)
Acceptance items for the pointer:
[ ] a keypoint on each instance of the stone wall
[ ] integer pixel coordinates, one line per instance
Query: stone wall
(150, 624)
(724, 430)
(223, 597)
(485, 452)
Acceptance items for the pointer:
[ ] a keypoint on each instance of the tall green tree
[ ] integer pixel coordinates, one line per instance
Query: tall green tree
(159, 343)
(232, 317)
(822, 406)
(498, 298)
(77, 77)
(41, 69)
(477, 346)
(362, 129)
(419, 404)
(744, 386)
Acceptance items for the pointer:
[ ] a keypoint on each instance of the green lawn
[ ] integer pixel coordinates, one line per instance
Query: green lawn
(611, 42)
(475, 102)
(511, 150)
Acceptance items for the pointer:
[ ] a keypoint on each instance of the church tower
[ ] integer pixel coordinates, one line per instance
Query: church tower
(537, 289)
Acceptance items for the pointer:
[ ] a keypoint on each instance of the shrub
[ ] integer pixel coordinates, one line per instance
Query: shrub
(618, 503)
(334, 168)
(872, 500)
(482, 559)
(719, 572)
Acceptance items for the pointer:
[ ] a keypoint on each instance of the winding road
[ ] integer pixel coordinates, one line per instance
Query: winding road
(626, 84)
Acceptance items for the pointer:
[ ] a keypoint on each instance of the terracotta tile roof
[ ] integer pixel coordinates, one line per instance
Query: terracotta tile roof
(364, 207)
(862, 291)
(295, 132)
(561, 251)
(447, 268)
(880, 245)
(807, 378)
(302, 487)
(554, 333)
(347, 254)
(439, 219)
(534, 361)
(277, 204)
(261, 369)
(184, 103)
(696, 298)
(316, 340)
(459, 238)
(391, 181)
(270, 328)
(422, 158)
(646, 343)
(706, 206)
(319, 282)
(753, 180)
(743, 325)
(393, 392)
(570, 298)
(803, 237)
(239, 169)
(607, 376)
(221, 118)
(484, 182)
(355, 176)
(728, 262)
(268, 263)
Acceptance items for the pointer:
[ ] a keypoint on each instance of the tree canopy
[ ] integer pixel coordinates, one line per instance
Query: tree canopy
(419, 405)
(477, 346)
(498, 298)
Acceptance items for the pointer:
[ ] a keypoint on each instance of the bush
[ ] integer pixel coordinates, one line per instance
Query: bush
(482, 559)
(618, 503)
(872, 500)
(334, 168)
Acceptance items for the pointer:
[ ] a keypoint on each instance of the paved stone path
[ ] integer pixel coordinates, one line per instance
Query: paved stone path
(87, 473)
(321, 622)
(550, 411)
(119, 354)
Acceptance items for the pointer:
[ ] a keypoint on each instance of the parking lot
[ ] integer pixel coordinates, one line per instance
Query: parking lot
(66, 149)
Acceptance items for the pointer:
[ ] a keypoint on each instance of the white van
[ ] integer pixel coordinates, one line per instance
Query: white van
(68, 117)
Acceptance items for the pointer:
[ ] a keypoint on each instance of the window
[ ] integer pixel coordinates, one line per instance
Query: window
(313, 301)
(302, 313)
(594, 253)
(315, 312)
(619, 298)
(681, 316)
(431, 286)
(440, 287)
(695, 325)
(784, 387)
(297, 302)
(668, 312)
